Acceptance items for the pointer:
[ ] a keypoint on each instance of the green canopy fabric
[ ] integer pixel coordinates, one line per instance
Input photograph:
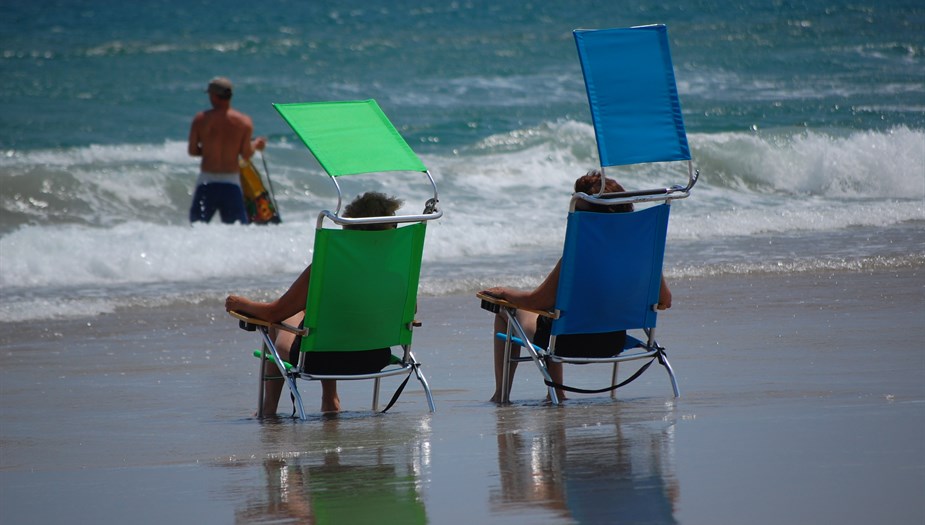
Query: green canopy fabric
(363, 289)
(350, 137)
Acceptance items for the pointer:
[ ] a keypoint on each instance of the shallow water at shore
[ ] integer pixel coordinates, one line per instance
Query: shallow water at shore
(806, 410)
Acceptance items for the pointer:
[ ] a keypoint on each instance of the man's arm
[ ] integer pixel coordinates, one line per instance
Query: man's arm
(248, 145)
(246, 151)
(194, 148)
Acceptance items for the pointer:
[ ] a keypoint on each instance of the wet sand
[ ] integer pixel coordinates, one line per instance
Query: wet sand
(803, 401)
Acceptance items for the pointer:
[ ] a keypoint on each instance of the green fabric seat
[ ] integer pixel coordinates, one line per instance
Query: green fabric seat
(383, 268)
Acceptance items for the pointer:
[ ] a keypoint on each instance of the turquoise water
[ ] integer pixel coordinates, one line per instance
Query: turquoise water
(452, 73)
(807, 120)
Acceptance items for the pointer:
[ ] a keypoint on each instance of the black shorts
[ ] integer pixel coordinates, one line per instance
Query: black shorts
(605, 344)
(341, 363)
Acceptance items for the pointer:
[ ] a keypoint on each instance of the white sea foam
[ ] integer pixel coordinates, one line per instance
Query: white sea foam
(169, 152)
(145, 253)
(105, 227)
(865, 164)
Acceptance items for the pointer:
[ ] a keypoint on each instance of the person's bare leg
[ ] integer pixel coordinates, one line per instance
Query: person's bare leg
(555, 373)
(528, 321)
(330, 402)
(500, 326)
(272, 390)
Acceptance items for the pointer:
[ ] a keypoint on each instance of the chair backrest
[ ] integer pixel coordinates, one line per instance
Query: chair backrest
(363, 289)
(633, 96)
(611, 271)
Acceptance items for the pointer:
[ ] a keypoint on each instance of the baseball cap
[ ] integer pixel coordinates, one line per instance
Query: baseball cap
(219, 86)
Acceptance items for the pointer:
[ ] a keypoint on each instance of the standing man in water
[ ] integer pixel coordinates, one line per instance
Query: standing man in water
(220, 136)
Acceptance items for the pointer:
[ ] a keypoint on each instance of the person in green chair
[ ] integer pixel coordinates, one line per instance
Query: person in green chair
(543, 297)
(289, 308)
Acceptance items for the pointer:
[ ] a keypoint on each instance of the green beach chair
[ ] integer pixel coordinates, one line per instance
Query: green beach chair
(612, 262)
(363, 289)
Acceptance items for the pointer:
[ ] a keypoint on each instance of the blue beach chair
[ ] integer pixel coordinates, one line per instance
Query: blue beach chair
(612, 262)
(363, 289)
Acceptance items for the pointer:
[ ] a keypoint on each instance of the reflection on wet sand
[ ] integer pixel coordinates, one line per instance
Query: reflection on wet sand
(351, 475)
(588, 464)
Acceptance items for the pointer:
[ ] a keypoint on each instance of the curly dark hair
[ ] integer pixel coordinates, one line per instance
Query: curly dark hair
(590, 184)
(372, 204)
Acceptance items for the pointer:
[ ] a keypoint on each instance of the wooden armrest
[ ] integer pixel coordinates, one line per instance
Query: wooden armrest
(492, 300)
(260, 322)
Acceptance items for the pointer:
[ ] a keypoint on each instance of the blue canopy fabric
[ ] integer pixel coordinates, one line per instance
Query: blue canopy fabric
(605, 285)
(350, 137)
(633, 96)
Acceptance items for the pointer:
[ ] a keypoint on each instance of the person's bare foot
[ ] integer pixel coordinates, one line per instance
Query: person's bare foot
(561, 397)
(330, 405)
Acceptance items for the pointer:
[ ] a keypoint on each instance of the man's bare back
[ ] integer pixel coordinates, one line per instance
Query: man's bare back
(220, 135)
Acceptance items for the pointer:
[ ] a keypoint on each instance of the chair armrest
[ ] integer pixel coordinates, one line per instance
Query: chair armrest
(494, 304)
(246, 320)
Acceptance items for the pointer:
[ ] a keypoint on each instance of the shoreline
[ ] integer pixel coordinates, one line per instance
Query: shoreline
(802, 400)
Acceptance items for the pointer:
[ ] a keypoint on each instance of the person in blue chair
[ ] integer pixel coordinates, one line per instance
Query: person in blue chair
(543, 297)
(289, 308)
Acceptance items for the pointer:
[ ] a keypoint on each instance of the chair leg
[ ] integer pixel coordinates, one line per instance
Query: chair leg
(261, 374)
(541, 364)
(376, 395)
(506, 367)
(290, 380)
(613, 381)
(298, 397)
(663, 359)
(513, 323)
(553, 397)
(427, 392)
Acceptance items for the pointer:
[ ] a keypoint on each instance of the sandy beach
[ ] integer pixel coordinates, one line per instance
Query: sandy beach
(803, 401)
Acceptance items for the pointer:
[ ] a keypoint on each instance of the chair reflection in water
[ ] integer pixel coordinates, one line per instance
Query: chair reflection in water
(362, 293)
(610, 274)
(616, 471)
(343, 482)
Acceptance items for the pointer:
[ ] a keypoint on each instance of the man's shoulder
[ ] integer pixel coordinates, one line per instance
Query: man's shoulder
(239, 116)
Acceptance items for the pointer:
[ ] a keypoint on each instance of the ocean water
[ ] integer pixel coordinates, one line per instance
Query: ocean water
(806, 119)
